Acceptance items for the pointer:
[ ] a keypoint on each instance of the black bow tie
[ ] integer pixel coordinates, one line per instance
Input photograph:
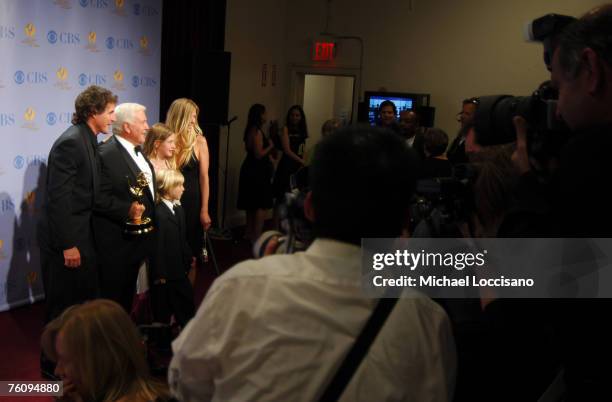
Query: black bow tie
(137, 149)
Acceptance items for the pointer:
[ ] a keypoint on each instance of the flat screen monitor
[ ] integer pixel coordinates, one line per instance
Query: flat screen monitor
(402, 101)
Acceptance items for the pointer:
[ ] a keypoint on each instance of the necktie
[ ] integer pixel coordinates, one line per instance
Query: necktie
(137, 149)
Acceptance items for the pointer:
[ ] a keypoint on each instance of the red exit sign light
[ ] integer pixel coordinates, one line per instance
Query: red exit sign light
(324, 51)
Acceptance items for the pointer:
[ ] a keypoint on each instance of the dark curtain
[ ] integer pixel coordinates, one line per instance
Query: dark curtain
(193, 65)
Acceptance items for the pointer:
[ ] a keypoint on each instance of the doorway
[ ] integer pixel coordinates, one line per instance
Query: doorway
(326, 97)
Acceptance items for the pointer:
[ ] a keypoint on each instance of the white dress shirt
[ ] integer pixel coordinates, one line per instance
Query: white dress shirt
(277, 329)
(410, 141)
(169, 204)
(140, 160)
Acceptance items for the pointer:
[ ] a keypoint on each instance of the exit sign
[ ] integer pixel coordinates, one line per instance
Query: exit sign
(323, 51)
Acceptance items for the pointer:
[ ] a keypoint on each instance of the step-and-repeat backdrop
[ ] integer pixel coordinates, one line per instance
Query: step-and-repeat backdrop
(50, 50)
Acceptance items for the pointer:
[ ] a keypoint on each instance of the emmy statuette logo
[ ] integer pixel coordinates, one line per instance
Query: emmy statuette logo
(144, 45)
(91, 42)
(118, 77)
(120, 7)
(30, 31)
(29, 116)
(62, 78)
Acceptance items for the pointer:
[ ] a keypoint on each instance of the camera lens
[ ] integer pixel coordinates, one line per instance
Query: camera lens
(493, 118)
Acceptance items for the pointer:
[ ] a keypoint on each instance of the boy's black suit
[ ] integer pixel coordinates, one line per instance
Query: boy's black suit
(171, 262)
(172, 254)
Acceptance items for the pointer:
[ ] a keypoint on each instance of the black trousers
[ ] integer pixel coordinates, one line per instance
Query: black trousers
(65, 286)
(173, 297)
(118, 269)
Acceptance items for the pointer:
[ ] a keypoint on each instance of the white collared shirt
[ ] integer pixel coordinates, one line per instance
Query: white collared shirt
(170, 204)
(140, 160)
(277, 329)
(410, 141)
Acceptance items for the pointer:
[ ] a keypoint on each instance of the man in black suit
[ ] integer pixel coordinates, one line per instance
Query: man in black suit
(65, 233)
(121, 161)
(456, 151)
(411, 129)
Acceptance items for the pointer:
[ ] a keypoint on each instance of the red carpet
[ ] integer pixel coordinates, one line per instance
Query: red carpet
(21, 328)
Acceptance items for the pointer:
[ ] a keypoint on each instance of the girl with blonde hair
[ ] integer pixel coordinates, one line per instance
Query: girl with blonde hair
(100, 355)
(160, 146)
(192, 159)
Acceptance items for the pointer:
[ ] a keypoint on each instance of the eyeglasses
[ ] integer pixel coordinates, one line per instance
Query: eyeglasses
(475, 101)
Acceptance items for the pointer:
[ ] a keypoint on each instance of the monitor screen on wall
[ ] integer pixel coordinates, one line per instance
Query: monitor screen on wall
(402, 101)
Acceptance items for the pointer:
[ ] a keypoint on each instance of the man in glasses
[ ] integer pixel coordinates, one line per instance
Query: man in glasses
(456, 151)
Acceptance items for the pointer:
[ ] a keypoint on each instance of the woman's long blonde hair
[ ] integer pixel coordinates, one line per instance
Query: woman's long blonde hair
(177, 119)
(108, 352)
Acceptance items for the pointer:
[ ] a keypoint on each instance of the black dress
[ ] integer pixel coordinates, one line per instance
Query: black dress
(287, 165)
(255, 185)
(191, 201)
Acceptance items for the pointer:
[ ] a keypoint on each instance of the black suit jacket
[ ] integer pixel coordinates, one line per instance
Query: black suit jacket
(419, 143)
(72, 180)
(456, 151)
(172, 256)
(118, 172)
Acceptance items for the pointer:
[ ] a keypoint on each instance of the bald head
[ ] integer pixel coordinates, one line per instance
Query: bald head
(409, 122)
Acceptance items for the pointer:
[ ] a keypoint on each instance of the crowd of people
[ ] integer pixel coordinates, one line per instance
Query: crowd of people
(298, 326)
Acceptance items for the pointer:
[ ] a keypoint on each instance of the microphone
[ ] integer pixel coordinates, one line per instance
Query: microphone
(230, 121)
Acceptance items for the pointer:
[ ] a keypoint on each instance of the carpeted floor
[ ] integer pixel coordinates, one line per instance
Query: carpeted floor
(21, 328)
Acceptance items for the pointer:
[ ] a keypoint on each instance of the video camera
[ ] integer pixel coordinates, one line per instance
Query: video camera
(493, 119)
(442, 203)
(546, 134)
(546, 29)
(296, 230)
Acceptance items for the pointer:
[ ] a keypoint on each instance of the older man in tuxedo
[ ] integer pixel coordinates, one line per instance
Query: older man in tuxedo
(122, 161)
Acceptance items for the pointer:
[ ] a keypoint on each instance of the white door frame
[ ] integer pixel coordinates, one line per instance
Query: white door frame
(296, 75)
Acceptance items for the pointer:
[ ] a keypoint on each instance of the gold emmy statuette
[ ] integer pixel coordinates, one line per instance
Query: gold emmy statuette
(141, 225)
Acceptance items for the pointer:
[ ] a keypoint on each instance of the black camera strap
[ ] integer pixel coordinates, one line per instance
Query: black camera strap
(359, 350)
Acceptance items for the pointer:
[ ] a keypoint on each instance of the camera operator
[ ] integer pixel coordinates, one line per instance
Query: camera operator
(278, 328)
(581, 71)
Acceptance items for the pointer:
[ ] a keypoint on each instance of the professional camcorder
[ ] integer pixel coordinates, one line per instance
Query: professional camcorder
(295, 230)
(546, 29)
(546, 134)
(442, 203)
(493, 119)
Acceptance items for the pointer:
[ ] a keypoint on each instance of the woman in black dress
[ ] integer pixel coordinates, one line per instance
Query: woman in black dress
(293, 140)
(255, 186)
(192, 159)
